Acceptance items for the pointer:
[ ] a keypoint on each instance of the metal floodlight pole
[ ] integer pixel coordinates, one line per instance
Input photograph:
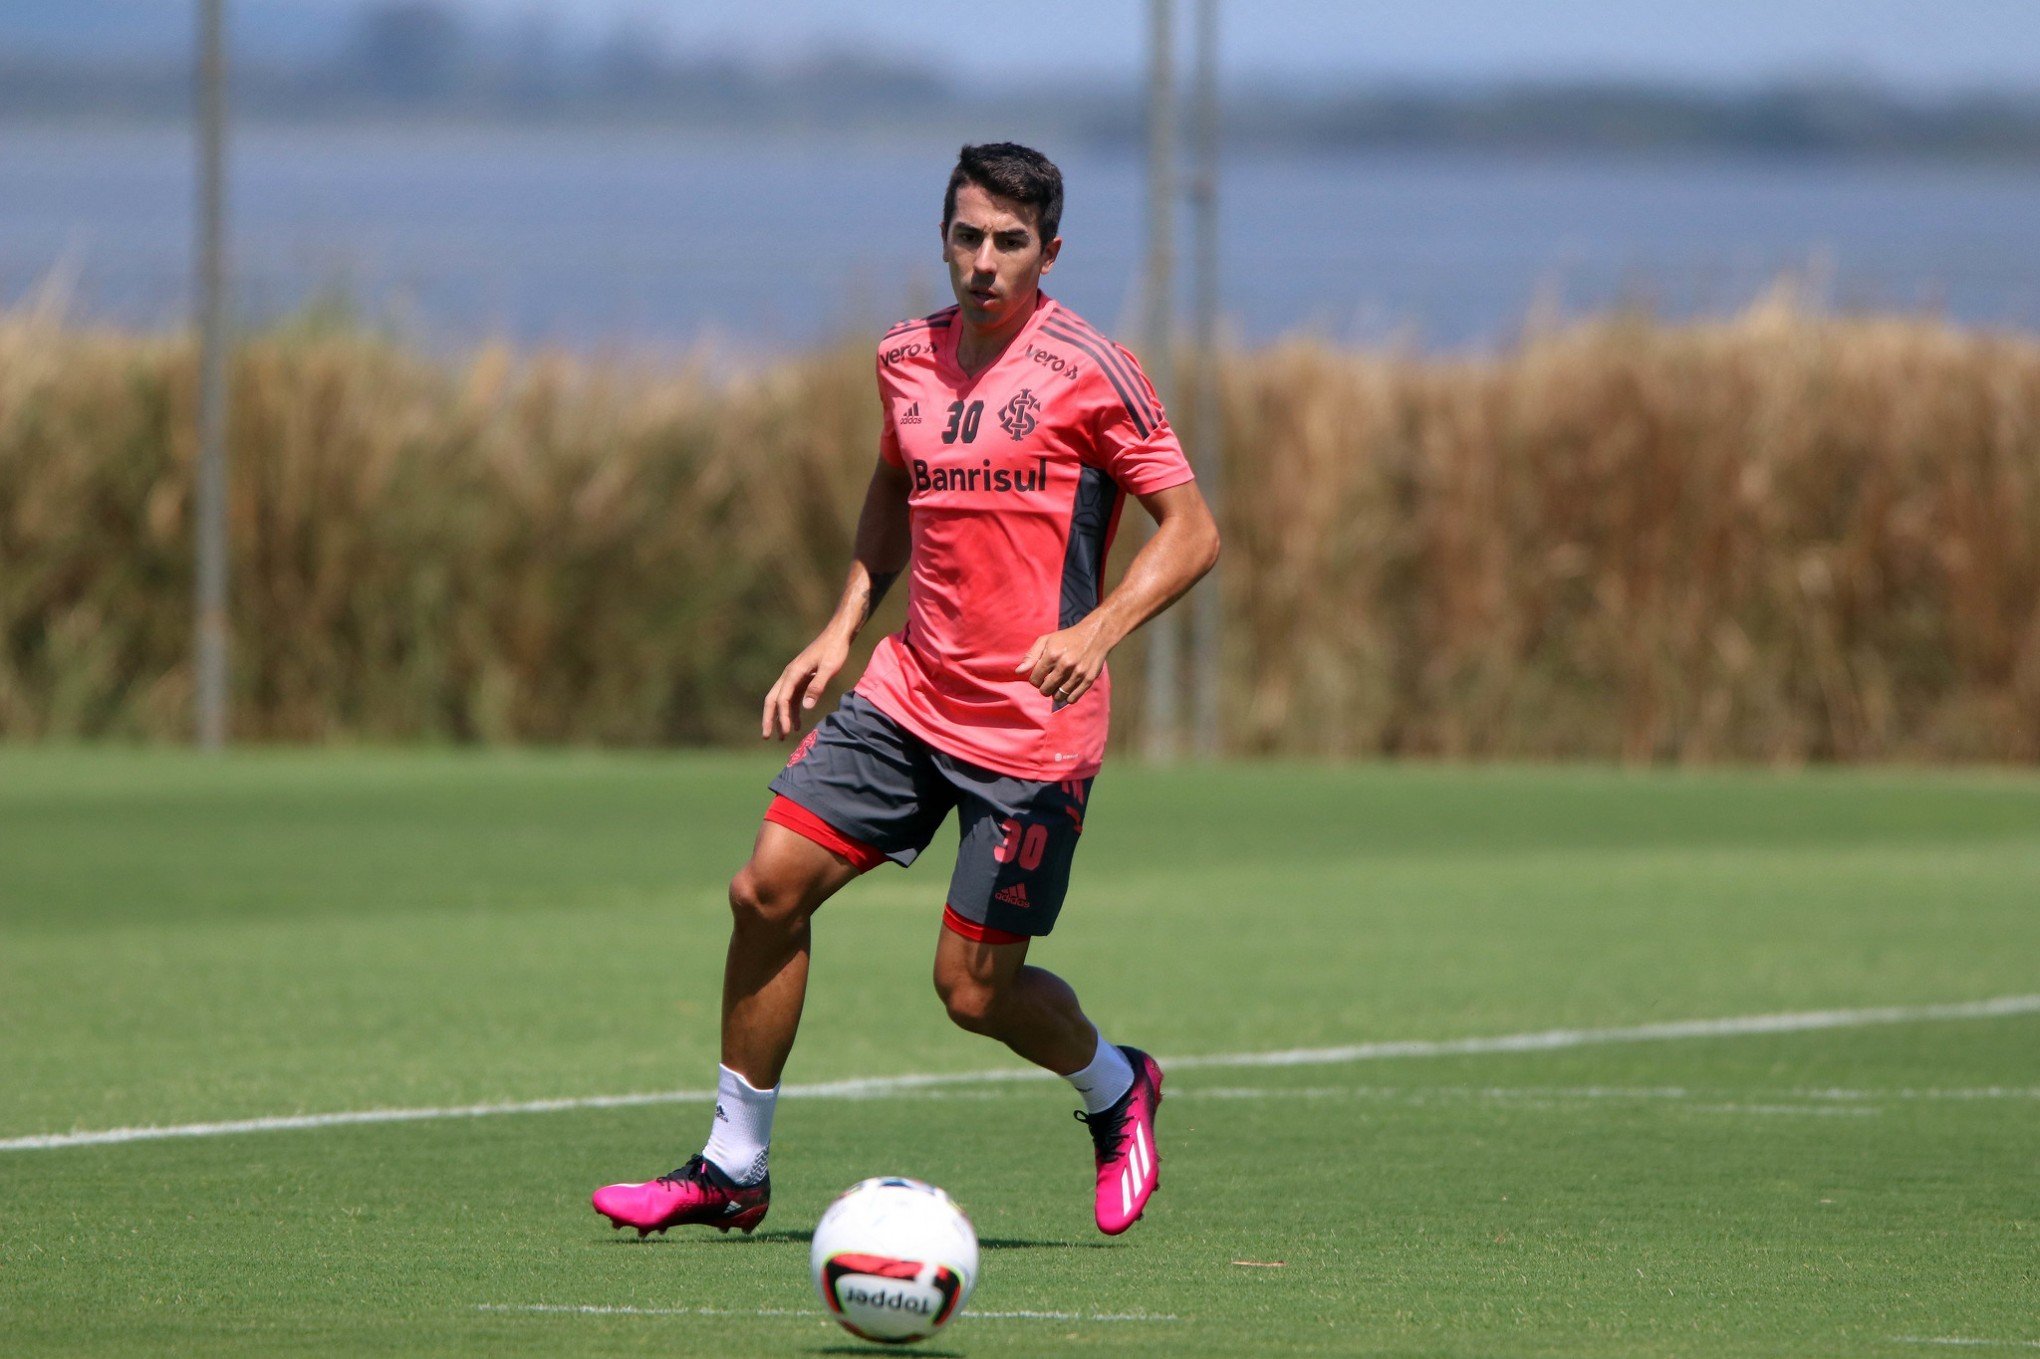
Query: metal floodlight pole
(210, 503)
(1206, 648)
(1163, 648)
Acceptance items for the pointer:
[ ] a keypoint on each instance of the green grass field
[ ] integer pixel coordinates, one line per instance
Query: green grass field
(184, 942)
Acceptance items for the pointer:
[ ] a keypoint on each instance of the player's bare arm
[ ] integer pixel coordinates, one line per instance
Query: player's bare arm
(1065, 664)
(883, 546)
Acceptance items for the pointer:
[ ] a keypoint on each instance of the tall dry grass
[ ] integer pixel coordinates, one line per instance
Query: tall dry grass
(1781, 537)
(504, 548)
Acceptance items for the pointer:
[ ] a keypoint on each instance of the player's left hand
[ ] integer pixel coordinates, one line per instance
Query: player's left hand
(1064, 665)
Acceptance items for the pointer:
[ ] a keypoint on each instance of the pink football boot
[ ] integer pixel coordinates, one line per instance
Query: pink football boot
(696, 1192)
(1129, 1166)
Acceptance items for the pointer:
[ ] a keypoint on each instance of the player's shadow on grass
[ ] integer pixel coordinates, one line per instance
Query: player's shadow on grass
(1023, 1243)
(984, 1243)
(866, 1351)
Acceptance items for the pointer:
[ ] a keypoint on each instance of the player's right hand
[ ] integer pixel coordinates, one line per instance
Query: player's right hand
(800, 685)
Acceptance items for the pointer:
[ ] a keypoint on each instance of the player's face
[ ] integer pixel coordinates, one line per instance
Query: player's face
(996, 257)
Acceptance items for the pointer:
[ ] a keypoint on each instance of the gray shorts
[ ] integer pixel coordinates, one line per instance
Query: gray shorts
(882, 787)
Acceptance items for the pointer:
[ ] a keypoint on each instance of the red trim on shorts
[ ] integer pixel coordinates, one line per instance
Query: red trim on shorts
(784, 811)
(976, 933)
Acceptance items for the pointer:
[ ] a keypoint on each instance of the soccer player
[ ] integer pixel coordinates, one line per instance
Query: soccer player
(1013, 433)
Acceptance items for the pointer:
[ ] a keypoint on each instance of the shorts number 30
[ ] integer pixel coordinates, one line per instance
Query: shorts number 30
(1028, 843)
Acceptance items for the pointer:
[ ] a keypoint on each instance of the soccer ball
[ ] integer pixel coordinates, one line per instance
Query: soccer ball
(894, 1259)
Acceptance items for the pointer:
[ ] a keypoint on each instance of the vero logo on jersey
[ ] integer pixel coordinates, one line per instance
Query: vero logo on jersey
(1018, 414)
(1055, 363)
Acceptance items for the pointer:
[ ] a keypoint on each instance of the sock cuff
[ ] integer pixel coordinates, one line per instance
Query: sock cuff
(744, 1087)
(1105, 1079)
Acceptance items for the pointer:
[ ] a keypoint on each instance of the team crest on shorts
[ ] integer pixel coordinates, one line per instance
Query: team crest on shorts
(1018, 414)
(800, 751)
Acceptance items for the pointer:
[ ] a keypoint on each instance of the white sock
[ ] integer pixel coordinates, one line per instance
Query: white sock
(741, 1134)
(1106, 1080)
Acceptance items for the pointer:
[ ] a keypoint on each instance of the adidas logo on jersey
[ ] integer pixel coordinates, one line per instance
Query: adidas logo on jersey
(911, 415)
(1016, 895)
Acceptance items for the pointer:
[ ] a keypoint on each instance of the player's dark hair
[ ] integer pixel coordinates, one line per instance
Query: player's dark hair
(1015, 172)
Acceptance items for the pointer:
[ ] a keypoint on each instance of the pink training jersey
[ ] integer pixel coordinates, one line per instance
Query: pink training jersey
(1019, 475)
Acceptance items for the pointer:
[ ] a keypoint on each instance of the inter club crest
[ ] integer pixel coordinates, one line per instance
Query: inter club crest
(1018, 414)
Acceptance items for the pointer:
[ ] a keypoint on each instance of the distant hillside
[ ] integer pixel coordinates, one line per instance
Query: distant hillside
(1834, 118)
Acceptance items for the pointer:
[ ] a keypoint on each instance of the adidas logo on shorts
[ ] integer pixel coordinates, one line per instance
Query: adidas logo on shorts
(1016, 895)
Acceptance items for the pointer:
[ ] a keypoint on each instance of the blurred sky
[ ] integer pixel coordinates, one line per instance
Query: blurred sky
(1926, 45)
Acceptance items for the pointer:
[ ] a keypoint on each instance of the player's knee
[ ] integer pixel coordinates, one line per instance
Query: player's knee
(973, 1004)
(757, 902)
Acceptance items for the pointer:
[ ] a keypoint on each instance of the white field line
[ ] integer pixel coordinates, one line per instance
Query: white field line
(1553, 1039)
(598, 1311)
(1412, 1093)
(1547, 1040)
(1980, 1092)
(1966, 1341)
(1826, 1103)
(1530, 1099)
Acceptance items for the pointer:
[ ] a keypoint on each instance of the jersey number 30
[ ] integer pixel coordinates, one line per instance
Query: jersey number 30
(963, 420)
